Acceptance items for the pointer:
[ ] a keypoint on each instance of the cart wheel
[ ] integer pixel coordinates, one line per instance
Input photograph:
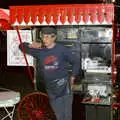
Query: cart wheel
(35, 106)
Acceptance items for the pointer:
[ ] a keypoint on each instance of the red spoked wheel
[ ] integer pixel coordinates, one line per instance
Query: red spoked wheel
(35, 106)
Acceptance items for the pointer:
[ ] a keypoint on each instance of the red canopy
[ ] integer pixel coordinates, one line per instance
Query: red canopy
(73, 14)
(4, 19)
(4, 14)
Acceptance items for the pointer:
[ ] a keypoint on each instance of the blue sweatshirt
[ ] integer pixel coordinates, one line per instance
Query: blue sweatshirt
(53, 63)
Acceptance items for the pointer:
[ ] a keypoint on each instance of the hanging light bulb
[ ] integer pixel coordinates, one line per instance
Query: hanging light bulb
(113, 0)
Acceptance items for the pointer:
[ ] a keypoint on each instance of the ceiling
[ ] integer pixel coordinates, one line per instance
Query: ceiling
(7, 3)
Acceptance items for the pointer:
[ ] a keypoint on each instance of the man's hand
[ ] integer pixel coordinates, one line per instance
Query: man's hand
(72, 80)
(35, 45)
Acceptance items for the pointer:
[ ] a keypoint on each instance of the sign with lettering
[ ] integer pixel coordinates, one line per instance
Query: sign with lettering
(14, 56)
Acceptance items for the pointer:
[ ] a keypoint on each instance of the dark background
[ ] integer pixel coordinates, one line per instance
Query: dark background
(7, 3)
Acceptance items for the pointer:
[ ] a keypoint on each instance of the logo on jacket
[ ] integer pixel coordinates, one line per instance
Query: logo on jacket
(51, 63)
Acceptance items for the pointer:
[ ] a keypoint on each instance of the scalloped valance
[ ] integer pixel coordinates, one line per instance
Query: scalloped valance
(70, 14)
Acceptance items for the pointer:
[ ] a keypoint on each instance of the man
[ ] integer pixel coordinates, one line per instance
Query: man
(53, 60)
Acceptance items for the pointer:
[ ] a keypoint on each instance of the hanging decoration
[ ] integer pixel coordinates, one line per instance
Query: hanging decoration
(75, 14)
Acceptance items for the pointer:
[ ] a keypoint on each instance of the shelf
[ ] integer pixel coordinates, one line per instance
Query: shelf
(103, 102)
(96, 42)
(66, 40)
(96, 82)
(117, 55)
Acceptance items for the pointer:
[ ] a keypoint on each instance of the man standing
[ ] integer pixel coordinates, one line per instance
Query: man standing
(53, 60)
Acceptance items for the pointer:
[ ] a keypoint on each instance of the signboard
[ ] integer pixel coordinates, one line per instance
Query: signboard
(14, 56)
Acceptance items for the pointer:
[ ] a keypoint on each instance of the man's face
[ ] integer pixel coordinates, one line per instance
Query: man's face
(48, 39)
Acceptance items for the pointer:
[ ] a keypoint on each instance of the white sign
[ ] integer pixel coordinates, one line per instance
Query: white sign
(14, 56)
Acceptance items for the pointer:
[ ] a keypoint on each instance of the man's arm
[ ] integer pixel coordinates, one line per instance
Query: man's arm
(35, 45)
(31, 49)
(70, 57)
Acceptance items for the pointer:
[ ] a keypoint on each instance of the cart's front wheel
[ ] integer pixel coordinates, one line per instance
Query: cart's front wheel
(35, 106)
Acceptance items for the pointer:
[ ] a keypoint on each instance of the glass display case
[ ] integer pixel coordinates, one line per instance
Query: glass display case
(96, 51)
